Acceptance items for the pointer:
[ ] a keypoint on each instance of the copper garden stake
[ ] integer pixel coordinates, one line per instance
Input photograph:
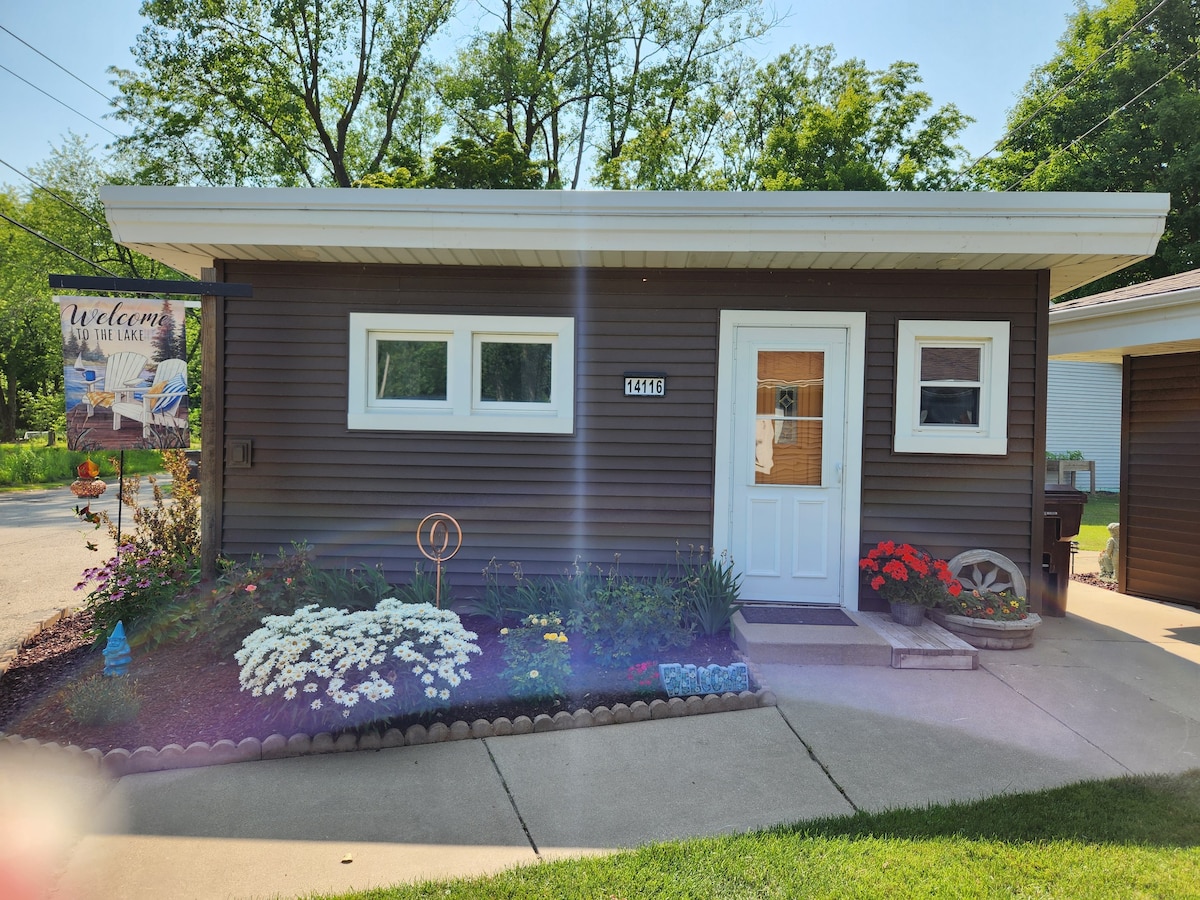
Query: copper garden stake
(434, 543)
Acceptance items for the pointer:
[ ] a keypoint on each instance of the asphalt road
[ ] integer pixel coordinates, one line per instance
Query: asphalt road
(43, 552)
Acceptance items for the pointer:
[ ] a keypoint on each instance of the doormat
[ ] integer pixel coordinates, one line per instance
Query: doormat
(795, 615)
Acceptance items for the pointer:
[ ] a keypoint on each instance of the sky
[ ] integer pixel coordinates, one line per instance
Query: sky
(977, 55)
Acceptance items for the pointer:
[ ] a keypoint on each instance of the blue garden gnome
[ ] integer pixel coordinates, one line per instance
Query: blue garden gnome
(117, 655)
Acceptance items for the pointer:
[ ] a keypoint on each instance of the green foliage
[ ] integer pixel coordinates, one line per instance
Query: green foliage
(423, 588)
(815, 125)
(23, 466)
(1067, 454)
(1117, 108)
(537, 658)
(43, 410)
(627, 616)
(156, 564)
(507, 604)
(316, 92)
(710, 591)
(102, 700)
(63, 205)
(27, 464)
(135, 587)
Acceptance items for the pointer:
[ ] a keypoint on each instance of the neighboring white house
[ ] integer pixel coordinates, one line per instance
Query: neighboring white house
(1083, 412)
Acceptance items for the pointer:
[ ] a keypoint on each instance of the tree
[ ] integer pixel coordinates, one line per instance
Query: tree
(1116, 109)
(575, 81)
(809, 122)
(288, 92)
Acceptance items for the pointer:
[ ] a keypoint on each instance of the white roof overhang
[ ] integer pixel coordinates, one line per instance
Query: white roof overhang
(1138, 326)
(1078, 237)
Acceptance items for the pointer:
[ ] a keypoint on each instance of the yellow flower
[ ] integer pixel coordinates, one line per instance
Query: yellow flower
(504, 631)
(562, 638)
(550, 636)
(533, 673)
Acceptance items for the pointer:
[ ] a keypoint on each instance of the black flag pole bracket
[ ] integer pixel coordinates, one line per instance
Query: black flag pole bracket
(150, 286)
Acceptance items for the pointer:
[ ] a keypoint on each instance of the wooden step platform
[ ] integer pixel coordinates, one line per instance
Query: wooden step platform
(929, 646)
(875, 640)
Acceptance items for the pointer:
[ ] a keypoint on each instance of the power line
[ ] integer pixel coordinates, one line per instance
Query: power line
(181, 143)
(1011, 132)
(56, 100)
(1103, 121)
(55, 243)
(83, 212)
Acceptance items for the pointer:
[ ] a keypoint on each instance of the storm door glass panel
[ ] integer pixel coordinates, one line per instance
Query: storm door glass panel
(788, 419)
(515, 371)
(950, 385)
(410, 370)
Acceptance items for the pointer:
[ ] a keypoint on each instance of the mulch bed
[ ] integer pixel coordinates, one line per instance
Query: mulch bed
(1095, 581)
(188, 694)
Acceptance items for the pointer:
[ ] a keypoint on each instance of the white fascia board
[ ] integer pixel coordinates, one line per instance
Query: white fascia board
(951, 226)
(1127, 324)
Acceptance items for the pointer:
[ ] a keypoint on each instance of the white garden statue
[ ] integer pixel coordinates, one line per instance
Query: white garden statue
(1108, 556)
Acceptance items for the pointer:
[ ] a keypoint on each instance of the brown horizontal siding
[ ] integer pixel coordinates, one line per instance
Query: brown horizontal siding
(636, 477)
(1161, 491)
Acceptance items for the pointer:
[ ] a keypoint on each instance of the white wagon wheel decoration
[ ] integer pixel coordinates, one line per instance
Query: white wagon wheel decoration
(987, 573)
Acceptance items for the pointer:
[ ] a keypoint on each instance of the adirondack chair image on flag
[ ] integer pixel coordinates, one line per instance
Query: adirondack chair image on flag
(157, 404)
(123, 372)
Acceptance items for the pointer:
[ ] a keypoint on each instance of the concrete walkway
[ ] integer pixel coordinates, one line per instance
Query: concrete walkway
(1106, 691)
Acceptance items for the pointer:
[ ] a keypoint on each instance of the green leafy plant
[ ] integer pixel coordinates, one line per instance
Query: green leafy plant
(1065, 455)
(134, 587)
(710, 590)
(423, 588)
(537, 659)
(625, 616)
(102, 700)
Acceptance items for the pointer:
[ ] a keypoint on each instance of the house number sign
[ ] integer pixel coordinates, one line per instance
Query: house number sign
(645, 384)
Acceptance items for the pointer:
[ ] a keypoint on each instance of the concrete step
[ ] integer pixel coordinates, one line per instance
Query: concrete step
(811, 645)
(875, 640)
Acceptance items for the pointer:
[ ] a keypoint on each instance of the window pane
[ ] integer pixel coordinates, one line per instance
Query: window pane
(950, 363)
(411, 370)
(514, 373)
(949, 406)
(788, 427)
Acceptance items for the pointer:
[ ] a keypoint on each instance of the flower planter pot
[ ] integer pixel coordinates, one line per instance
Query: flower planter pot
(988, 635)
(910, 614)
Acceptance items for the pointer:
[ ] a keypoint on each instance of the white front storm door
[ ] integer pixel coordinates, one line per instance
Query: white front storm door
(790, 403)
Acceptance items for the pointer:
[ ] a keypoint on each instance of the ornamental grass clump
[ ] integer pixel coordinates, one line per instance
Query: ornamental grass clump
(537, 659)
(903, 574)
(101, 700)
(359, 667)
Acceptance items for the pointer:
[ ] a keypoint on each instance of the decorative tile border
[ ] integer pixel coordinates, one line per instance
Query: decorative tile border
(118, 762)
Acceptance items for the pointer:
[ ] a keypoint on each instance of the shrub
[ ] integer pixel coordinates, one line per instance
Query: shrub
(626, 615)
(537, 660)
(23, 467)
(368, 665)
(102, 700)
(134, 587)
(644, 678)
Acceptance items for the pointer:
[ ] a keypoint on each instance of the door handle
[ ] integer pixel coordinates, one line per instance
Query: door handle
(837, 467)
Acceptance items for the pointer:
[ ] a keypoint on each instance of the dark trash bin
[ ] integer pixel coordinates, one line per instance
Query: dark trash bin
(1063, 514)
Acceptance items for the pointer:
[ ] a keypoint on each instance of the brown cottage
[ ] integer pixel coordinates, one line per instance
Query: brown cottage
(786, 377)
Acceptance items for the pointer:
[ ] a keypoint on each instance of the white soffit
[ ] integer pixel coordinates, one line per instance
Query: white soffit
(1151, 325)
(1077, 236)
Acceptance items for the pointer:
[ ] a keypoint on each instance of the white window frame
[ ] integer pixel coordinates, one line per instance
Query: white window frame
(462, 409)
(989, 437)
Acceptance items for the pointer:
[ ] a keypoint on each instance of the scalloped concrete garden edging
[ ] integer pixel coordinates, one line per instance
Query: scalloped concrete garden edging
(118, 762)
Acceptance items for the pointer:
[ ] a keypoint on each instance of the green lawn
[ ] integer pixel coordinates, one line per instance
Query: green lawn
(1098, 512)
(1130, 837)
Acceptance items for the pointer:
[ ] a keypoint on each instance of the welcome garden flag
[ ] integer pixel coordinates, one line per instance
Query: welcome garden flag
(125, 370)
